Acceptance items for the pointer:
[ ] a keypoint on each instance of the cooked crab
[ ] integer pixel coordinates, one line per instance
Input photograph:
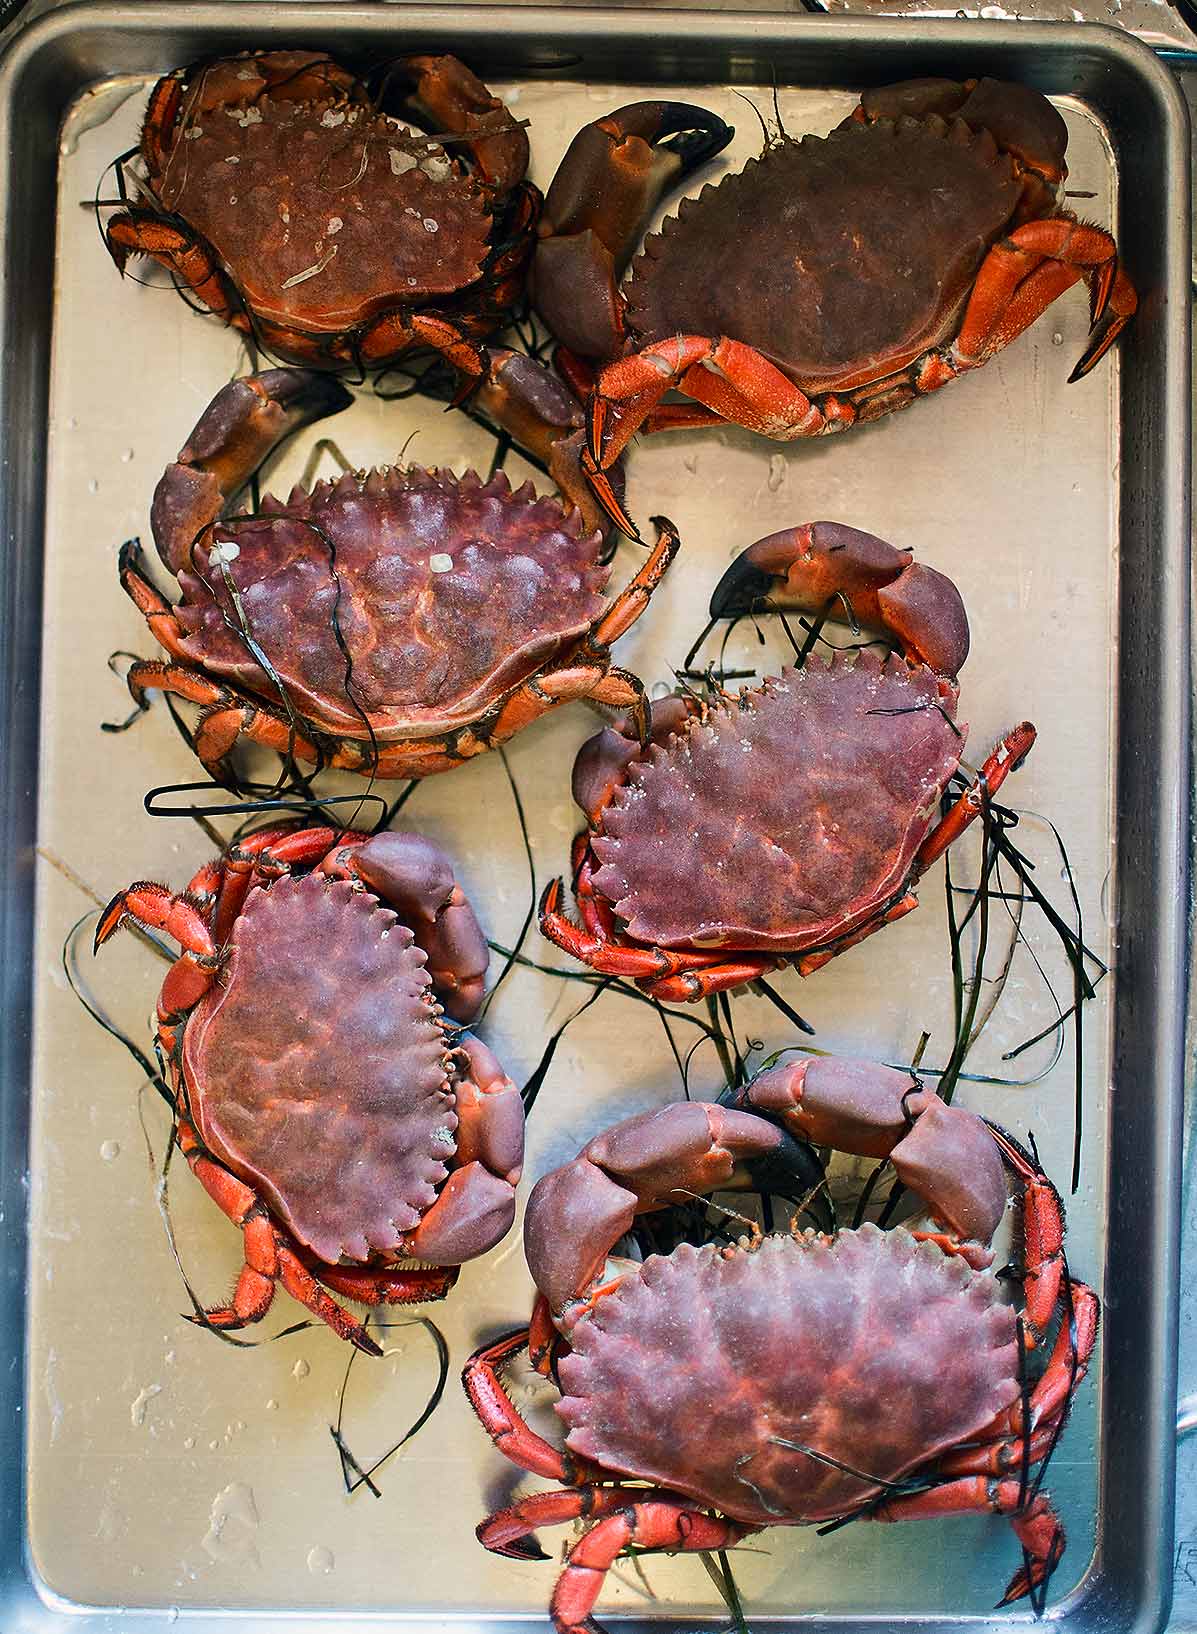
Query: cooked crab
(277, 192)
(793, 1378)
(834, 279)
(327, 1097)
(396, 622)
(785, 824)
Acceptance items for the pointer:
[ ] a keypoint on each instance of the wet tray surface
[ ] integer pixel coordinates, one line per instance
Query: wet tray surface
(164, 1470)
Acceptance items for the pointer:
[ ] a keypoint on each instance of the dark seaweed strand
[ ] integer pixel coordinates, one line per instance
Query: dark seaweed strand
(70, 970)
(721, 1576)
(528, 917)
(234, 594)
(349, 1464)
(966, 1011)
(761, 986)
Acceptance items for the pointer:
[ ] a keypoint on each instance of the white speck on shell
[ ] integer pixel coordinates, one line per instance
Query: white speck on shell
(401, 161)
(225, 552)
(331, 118)
(438, 562)
(335, 224)
(430, 226)
(251, 116)
(192, 133)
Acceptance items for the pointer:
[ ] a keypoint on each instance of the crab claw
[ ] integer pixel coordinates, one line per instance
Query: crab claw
(811, 566)
(614, 173)
(241, 426)
(944, 1154)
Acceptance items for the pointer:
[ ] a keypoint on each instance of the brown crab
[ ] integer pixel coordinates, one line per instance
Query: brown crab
(395, 622)
(278, 193)
(792, 1378)
(323, 1100)
(834, 279)
(785, 824)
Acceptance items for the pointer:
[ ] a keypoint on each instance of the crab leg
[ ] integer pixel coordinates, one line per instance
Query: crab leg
(1007, 295)
(156, 908)
(1007, 757)
(138, 231)
(657, 1523)
(269, 1256)
(616, 170)
(1036, 1524)
(502, 1421)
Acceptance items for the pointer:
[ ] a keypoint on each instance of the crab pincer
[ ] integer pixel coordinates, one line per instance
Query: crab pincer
(742, 1428)
(326, 1094)
(395, 622)
(787, 823)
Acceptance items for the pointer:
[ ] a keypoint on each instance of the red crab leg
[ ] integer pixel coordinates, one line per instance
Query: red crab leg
(139, 231)
(156, 908)
(611, 959)
(509, 1531)
(1007, 757)
(414, 1285)
(227, 715)
(502, 1421)
(1037, 1525)
(808, 963)
(634, 597)
(1007, 296)
(1005, 1450)
(690, 985)
(269, 1256)
(154, 608)
(655, 1524)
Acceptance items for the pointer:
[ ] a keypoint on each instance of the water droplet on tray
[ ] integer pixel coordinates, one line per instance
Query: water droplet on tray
(320, 1561)
(137, 1407)
(110, 1149)
(777, 472)
(232, 1524)
(300, 1370)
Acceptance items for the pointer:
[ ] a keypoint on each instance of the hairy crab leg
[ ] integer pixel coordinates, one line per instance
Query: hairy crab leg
(616, 958)
(634, 597)
(156, 908)
(996, 315)
(412, 1285)
(503, 1422)
(139, 231)
(509, 1531)
(1006, 1438)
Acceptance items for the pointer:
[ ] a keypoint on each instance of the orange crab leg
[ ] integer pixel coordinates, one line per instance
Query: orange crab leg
(141, 232)
(414, 1285)
(1007, 757)
(656, 1524)
(1037, 1524)
(501, 1418)
(1005, 299)
(269, 1256)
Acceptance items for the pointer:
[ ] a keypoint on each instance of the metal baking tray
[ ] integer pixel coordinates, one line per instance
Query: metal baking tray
(150, 1474)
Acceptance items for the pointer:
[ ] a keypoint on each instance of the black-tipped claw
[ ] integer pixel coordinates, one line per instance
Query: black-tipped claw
(519, 1549)
(699, 134)
(742, 589)
(305, 395)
